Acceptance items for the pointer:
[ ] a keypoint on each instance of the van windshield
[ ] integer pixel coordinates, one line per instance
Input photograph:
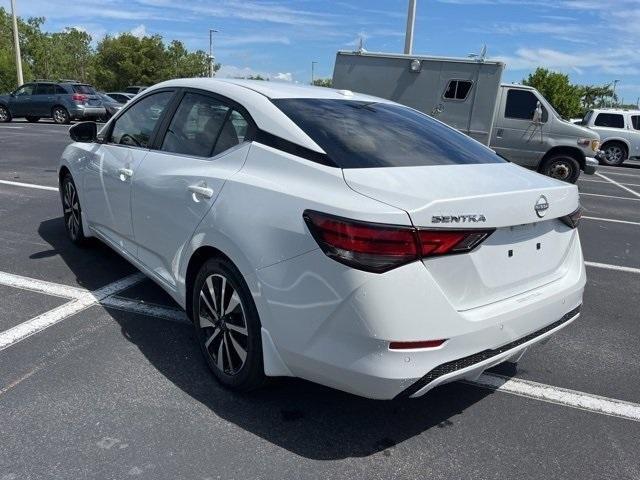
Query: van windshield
(358, 134)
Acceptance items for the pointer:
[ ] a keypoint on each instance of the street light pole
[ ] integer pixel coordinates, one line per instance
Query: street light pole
(16, 43)
(411, 21)
(211, 32)
(313, 65)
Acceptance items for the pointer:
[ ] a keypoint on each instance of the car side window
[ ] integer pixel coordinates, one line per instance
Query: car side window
(635, 120)
(521, 105)
(44, 89)
(59, 90)
(611, 120)
(196, 125)
(135, 126)
(25, 90)
(233, 132)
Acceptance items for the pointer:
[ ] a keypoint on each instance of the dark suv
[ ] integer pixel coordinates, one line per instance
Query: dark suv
(63, 101)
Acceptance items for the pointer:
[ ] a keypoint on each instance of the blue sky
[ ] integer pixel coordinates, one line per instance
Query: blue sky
(595, 41)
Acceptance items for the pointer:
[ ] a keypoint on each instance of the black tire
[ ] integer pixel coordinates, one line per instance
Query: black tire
(72, 211)
(614, 154)
(5, 114)
(221, 339)
(60, 115)
(32, 119)
(561, 166)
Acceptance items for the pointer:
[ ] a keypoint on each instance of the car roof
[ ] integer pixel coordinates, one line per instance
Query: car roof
(273, 90)
(614, 110)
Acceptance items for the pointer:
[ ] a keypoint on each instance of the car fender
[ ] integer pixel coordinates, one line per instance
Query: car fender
(617, 139)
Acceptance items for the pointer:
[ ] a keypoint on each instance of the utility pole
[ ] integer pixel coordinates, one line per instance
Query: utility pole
(211, 59)
(16, 43)
(411, 21)
(313, 67)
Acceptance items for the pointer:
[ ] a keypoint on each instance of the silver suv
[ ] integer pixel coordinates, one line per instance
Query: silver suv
(619, 133)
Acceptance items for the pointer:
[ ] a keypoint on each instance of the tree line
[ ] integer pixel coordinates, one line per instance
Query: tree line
(570, 100)
(113, 64)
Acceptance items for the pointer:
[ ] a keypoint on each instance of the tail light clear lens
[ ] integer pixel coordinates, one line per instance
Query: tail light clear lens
(573, 219)
(378, 248)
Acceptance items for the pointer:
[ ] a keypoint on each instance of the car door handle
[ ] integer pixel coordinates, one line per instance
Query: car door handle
(125, 173)
(206, 192)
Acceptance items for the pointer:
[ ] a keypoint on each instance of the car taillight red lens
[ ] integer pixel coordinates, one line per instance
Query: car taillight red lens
(378, 248)
(79, 97)
(573, 219)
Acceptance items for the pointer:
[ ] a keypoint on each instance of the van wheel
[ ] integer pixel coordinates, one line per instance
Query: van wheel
(614, 154)
(563, 167)
(5, 114)
(60, 115)
(227, 325)
(32, 119)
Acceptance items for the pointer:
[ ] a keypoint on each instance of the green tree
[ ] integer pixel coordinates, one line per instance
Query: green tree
(323, 82)
(129, 60)
(565, 97)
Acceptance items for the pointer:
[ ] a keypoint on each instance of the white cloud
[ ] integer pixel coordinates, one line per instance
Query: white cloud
(232, 71)
(251, 39)
(139, 31)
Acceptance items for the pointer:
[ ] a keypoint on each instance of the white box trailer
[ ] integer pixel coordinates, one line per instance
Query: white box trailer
(514, 120)
(460, 92)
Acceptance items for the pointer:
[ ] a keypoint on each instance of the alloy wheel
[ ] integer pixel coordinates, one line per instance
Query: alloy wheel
(221, 316)
(614, 154)
(59, 115)
(4, 114)
(71, 208)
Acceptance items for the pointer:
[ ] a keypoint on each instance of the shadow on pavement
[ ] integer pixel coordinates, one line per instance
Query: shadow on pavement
(93, 266)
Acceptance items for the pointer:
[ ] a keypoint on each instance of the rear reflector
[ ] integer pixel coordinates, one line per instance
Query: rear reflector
(378, 248)
(573, 219)
(414, 345)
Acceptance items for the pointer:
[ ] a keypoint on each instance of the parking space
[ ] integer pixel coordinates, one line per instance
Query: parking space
(100, 376)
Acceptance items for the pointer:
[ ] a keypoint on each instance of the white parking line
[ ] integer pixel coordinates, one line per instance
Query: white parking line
(41, 286)
(600, 181)
(618, 268)
(633, 192)
(627, 222)
(29, 185)
(560, 396)
(145, 308)
(610, 196)
(80, 301)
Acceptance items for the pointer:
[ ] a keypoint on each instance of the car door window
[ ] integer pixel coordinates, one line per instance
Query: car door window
(59, 90)
(233, 132)
(45, 89)
(135, 126)
(25, 90)
(196, 126)
(521, 105)
(611, 120)
(635, 121)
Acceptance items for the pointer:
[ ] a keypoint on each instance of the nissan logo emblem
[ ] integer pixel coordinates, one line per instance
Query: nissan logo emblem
(541, 206)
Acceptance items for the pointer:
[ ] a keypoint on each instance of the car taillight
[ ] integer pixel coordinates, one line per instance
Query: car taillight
(378, 248)
(79, 97)
(573, 219)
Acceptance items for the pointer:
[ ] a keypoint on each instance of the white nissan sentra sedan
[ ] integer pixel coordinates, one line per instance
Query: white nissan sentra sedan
(328, 235)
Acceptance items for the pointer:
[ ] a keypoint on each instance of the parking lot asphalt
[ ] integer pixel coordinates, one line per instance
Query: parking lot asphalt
(100, 376)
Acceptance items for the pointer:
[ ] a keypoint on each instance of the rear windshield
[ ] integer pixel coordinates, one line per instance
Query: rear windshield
(357, 134)
(86, 89)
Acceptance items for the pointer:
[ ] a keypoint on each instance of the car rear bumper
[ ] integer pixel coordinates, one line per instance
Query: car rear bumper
(591, 164)
(88, 112)
(338, 330)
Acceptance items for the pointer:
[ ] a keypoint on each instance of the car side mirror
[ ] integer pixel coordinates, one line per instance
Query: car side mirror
(537, 113)
(85, 132)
